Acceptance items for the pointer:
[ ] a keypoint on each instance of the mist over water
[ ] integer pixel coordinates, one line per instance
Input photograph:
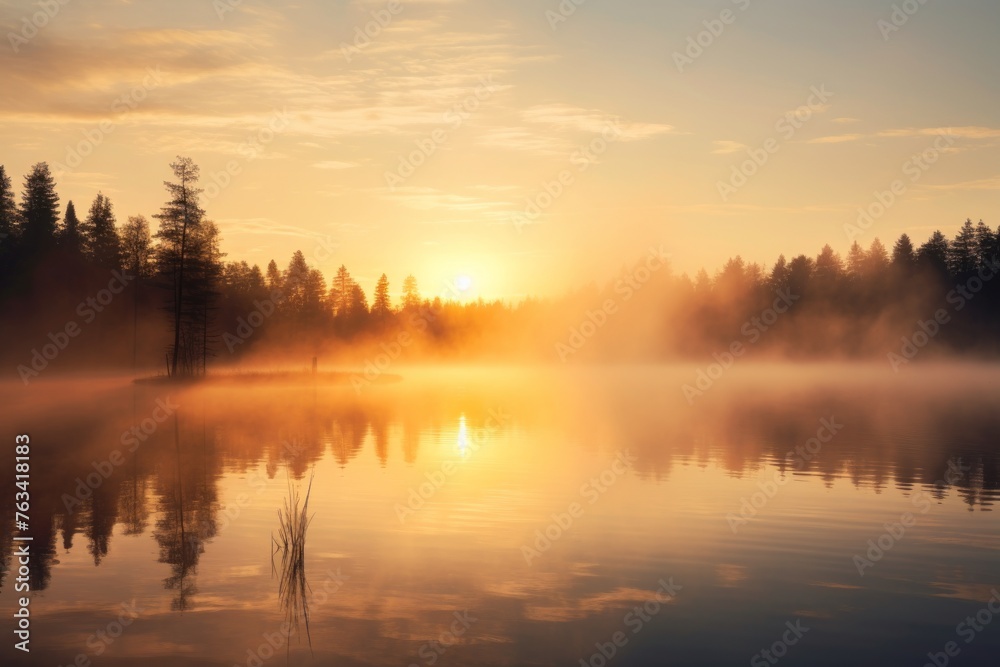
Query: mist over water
(544, 506)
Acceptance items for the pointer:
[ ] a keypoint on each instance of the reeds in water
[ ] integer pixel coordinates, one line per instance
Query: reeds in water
(293, 588)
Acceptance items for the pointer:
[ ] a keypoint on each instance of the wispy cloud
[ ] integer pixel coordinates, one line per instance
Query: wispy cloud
(836, 139)
(335, 164)
(727, 147)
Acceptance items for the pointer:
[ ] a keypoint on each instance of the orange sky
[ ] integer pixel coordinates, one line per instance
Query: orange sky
(319, 129)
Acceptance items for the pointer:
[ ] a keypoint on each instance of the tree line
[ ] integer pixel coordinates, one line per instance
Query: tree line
(50, 257)
(184, 302)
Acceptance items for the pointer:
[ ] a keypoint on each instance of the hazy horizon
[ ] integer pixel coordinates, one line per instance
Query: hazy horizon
(314, 123)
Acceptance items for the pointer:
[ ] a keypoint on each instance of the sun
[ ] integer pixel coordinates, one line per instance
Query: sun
(463, 283)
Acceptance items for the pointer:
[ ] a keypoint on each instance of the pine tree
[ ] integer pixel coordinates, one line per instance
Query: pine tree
(70, 235)
(313, 296)
(411, 295)
(800, 272)
(358, 304)
(204, 276)
(779, 274)
(856, 261)
(985, 243)
(8, 229)
(876, 260)
(829, 266)
(294, 281)
(341, 292)
(39, 217)
(8, 208)
(962, 252)
(381, 305)
(100, 238)
(933, 255)
(137, 258)
(903, 254)
(179, 220)
(274, 280)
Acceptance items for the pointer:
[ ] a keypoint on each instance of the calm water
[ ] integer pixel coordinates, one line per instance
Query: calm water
(515, 518)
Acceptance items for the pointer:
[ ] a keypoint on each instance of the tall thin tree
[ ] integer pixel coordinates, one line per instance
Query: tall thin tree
(179, 218)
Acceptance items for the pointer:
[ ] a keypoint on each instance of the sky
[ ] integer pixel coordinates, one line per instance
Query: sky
(526, 146)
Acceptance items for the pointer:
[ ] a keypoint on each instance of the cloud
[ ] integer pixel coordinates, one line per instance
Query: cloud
(836, 139)
(265, 226)
(566, 117)
(334, 164)
(988, 184)
(727, 147)
(523, 139)
(967, 132)
(845, 120)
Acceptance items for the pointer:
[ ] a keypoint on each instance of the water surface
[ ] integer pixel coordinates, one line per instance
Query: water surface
(517, 517)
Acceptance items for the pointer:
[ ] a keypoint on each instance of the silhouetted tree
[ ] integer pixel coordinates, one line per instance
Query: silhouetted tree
(70, 236)
(358, 304)
(313, 297)
(380, 304)
(179, 220)
(986, 242)
(933, 255)
(340, 292)
(274, 281)
(39, 217)
(137, 248)
(137, 260)
(294, 281)
(962, 253)
(779, 274)
(8, 229)
(100, 238)
(800, 272)
(829, 269)
(903, 254)
(204, 275)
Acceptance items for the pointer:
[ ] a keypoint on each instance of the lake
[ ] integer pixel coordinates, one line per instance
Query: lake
(807, 515)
